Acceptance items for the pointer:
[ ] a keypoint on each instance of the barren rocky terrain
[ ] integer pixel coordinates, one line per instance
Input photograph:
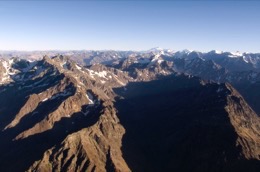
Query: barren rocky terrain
(142, 112)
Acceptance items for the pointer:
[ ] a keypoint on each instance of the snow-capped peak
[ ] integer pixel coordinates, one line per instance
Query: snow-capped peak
(237, 53)
(160, 50)
(186, 51)
(217, 51)
(156, 49)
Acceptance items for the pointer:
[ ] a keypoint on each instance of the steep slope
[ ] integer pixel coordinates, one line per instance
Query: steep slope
(183, 124)
(52, 101)
(96, 148)
(246, 124)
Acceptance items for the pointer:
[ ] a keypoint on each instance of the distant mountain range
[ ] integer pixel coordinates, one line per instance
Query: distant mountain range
(155, 110)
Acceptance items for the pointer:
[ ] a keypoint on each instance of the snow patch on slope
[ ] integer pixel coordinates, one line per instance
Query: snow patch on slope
(90, 97)
(101, 74)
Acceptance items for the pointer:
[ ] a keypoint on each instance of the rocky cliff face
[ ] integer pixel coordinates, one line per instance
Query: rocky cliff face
(96, 148)
(245, 123)
(56, 115)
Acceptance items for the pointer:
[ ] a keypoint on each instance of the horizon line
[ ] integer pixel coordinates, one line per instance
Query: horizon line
(64, 50)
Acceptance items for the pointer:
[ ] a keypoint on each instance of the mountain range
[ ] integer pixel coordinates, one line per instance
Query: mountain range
(155, 110)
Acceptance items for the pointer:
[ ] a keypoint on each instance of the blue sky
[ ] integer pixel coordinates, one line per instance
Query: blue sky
(130, 25)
